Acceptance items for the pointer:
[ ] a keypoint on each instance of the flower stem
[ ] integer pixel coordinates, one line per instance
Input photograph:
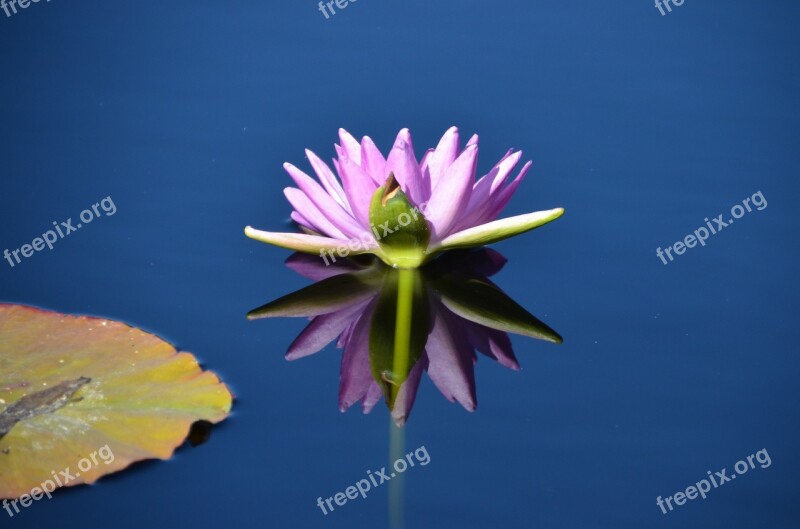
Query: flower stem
(402, 334)
(397, 486)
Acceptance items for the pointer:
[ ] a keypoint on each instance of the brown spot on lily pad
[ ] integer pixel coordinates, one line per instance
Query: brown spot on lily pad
(44, 401)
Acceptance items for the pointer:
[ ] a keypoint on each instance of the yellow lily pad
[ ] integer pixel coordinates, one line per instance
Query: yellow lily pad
(92, 396)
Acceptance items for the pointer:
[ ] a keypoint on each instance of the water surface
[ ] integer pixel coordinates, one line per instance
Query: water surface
(640, 125)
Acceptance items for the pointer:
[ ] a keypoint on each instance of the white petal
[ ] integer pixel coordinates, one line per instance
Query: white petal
(497, 230)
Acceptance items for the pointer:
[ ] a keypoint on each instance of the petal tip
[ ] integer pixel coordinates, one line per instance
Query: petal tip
(404, 136)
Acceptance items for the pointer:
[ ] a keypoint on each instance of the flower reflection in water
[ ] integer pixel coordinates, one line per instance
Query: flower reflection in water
(394, 324)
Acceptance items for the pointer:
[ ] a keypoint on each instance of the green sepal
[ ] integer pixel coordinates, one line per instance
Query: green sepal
(400, 228)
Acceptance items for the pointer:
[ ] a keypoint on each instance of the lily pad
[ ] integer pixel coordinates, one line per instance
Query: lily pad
(92, 396)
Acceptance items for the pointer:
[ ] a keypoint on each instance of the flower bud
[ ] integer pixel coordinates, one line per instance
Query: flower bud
(399, 227)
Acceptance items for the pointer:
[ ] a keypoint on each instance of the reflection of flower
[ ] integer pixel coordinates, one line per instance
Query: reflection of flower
(457, 311)
(399, 209)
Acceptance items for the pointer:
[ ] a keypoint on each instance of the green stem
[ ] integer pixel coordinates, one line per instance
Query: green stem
(397, 485)
(402, 330)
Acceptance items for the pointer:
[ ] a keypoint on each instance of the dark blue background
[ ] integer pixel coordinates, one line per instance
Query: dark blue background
(640, 125)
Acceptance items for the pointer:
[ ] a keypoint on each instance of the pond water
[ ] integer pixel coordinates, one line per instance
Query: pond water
(640, 125)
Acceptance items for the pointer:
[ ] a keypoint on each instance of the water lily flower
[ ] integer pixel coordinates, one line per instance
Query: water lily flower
(455, 311)
(402, 210)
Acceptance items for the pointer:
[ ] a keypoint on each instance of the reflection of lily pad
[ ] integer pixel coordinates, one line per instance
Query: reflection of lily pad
(70, 386)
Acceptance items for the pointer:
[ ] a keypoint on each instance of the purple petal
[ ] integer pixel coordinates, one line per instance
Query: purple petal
(498, 203)
(408, 392)
(346, 335)
(493, 343)
(328, 179)
(355, 375)
(504, 169)
(351, 146)
(311, 213)
(444, 155)
(304, 222)
(481, 193)
(323, 330)
(403, 164)
(372, 161)
(483, 187)
(373, 396)
(315, 269)
(332, 211)
(358, 186)
(451, 361)
(488, 262)
(451, 196)
(423, 163)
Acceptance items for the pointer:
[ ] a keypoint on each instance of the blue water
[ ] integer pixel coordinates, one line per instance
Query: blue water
(640, 125)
